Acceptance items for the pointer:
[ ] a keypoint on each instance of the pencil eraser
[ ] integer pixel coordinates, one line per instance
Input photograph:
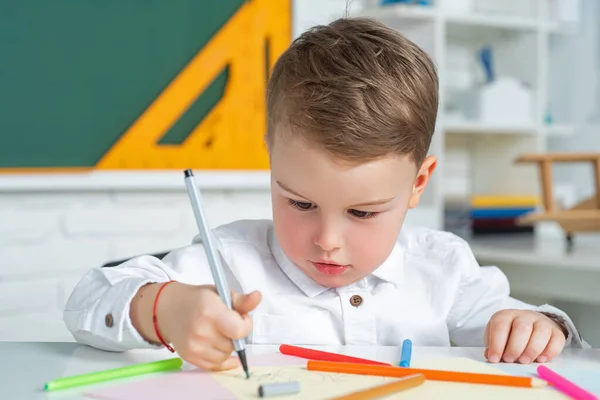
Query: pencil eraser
(278, 389)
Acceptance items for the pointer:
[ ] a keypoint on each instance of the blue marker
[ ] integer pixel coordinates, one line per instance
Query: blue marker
(406, 353)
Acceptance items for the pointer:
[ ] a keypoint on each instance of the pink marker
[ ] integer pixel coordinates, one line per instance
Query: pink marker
(564, 385)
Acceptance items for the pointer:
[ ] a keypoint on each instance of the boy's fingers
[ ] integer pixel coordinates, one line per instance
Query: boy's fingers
(486, 341)
(230, 363)
(244, 303)
(554, 347)
(232, 325)
(498, 336)
(222, 343)
(520, 333)
(207, 357)
(537, 343)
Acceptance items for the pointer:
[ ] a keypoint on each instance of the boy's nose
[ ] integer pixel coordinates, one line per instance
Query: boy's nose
(328, 239)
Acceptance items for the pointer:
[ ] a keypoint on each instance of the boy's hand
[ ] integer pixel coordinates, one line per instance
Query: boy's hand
(199, 325)
(523, 336)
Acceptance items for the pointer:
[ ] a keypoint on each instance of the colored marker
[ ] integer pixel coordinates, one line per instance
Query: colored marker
(311, 354)
(112, 374)
(430, 374)
(564, 385)
(406, 353)
(278, 389)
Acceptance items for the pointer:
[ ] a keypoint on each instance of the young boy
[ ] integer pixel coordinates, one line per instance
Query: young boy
(352, 109)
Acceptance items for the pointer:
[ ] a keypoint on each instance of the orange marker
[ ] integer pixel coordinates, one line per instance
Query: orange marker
(430, 374)
(407, 382)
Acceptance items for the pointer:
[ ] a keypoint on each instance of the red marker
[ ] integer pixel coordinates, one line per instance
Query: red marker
(323, 355)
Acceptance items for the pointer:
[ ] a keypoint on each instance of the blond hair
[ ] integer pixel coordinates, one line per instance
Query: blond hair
(357, 89)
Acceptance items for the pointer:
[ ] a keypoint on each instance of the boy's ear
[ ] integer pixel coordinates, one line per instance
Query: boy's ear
(427, 168)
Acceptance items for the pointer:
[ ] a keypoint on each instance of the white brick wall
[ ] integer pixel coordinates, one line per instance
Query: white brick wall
(49, 240)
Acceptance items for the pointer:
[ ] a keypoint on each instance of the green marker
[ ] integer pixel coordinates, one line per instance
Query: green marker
(117, 373)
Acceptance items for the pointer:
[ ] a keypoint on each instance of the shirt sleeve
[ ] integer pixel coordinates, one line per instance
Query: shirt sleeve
(482, 291)
(97, 311)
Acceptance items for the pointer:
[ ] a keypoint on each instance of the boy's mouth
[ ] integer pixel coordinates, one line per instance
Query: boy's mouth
(330, 268)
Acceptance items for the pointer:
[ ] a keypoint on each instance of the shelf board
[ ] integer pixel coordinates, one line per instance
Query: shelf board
(99, 180)
(478, 128)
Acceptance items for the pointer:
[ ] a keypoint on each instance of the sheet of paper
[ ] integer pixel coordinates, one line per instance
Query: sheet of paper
(321, 385)
(315, 385)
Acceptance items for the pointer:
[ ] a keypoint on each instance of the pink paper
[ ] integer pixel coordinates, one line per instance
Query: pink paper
(180, 385)
(194, 384)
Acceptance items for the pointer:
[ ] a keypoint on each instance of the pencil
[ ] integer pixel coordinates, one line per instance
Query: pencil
(430, 374)
(407, 382)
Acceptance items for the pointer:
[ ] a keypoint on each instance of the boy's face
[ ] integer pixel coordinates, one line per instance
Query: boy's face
(339, 222)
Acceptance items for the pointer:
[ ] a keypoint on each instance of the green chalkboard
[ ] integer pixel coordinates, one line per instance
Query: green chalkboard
(75, 74)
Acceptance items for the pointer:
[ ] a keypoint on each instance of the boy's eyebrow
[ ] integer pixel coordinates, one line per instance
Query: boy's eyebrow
(368, 203)
(287, 189)
(374, 202)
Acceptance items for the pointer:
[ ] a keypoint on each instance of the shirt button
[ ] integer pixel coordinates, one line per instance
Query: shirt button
(356, 300)
(108, 320)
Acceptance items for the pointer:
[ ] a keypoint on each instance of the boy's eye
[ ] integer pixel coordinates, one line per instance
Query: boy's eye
(362, 214)
(300, 205)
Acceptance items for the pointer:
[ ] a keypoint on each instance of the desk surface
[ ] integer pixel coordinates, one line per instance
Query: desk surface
(27, 366)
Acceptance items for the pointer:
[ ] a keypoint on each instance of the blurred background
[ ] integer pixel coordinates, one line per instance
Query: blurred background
(102, 104)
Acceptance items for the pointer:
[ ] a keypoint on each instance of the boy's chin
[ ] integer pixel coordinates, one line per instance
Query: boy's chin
(334, 281)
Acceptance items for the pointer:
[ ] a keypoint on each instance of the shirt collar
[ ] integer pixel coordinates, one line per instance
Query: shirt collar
(392, 268)
(295, 274)
(390, 271)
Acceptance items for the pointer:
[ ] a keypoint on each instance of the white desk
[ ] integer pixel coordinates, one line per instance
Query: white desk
(27, 366)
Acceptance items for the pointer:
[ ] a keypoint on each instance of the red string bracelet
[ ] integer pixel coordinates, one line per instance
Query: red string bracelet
(154, 321)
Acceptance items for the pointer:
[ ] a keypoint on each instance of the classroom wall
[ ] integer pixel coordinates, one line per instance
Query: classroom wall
(48, 240)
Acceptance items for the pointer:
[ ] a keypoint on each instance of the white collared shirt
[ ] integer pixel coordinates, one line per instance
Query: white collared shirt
(430, 289)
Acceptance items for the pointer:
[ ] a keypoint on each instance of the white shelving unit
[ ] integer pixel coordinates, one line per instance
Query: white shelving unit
(476, 155)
